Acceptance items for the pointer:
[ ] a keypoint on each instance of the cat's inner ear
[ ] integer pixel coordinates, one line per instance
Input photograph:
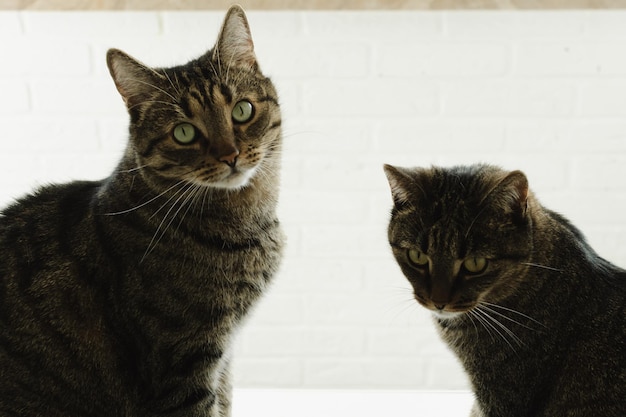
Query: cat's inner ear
(400, 183)
(513, 193)
(133, 80)
(234, 45)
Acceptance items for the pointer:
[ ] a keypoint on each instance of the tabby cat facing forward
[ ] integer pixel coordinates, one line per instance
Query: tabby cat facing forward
(536, 317)
(120, 297)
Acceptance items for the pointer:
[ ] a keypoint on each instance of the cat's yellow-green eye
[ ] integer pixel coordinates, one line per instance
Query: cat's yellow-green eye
(475, 265)
(417, 257)
(185, 133)
(242, 112)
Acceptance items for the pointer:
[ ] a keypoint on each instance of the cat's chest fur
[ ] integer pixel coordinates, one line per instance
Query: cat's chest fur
(212, 256)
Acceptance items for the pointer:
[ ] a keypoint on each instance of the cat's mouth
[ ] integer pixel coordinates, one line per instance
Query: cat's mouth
(446, 315)
(236, 178)
(228, 178)
(447, 311)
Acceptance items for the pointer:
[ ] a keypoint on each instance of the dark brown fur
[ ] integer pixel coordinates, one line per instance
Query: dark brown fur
(541, 330)
(121, 297)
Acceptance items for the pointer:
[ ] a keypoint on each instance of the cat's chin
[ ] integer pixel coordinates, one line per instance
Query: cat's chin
(446, 315)
(236, 180)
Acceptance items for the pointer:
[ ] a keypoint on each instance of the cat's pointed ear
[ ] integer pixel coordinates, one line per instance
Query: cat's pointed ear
(133, 79)
(400, 183)
(234, 45)
(513, 194)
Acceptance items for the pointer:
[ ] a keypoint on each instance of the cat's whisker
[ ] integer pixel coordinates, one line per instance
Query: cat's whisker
(213, 68)
(508, 331)
(182, 185)
(145, 203)
(198, 197)
(190, 202)
(207, 193)
(481, 321)
(265, 172)
(512, 311)
(470, 316)
(239, 75)
(541, 266)
(403, 305)
(492, 311)
(161, 231)
(498, 327)
(503, 327)
(232, 58)
(183, 191)
(128, 171)
(155, 87)
(290, 135)
(173, 105)
(218, 58)
(177, 90)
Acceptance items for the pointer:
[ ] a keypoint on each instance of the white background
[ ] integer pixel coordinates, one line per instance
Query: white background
(544, 92)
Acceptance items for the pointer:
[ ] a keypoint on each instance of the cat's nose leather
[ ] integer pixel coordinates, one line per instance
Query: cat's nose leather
(230, 159)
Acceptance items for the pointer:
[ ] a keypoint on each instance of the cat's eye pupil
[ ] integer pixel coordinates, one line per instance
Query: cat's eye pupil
(417, 257)
(475, 265)
(242, 112)
(184, 133)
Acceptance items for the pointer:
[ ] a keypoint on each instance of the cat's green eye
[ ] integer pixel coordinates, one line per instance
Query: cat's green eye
(475, 265)
(242, 112)
(185, 133)
(417, 257)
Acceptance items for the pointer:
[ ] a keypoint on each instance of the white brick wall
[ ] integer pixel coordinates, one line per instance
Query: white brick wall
(542, 92)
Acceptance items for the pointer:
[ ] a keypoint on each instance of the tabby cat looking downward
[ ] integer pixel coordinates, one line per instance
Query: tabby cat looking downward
(120, 297)
(536, 317)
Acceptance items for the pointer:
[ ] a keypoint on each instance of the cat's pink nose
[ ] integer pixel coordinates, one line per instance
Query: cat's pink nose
(230, 159)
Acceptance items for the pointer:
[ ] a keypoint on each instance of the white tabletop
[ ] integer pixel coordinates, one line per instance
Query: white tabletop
(348, 403)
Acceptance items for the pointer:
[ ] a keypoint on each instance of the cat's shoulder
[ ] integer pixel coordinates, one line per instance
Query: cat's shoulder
(612, 274)
(52, 199)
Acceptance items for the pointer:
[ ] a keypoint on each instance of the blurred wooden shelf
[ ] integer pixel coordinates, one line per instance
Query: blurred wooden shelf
(311, 5)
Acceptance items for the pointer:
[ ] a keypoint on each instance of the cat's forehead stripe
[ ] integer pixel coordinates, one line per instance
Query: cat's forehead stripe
(185, 105)
(271, 99)
(226, 93)
(197, 96)
(198, 103)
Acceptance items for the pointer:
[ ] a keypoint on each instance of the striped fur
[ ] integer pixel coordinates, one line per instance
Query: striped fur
(541, 328)
(121, 297)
